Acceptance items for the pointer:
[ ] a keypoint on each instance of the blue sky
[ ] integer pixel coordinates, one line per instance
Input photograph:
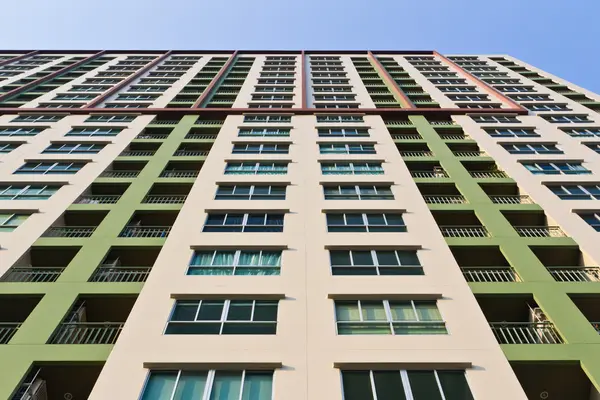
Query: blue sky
(535, 31)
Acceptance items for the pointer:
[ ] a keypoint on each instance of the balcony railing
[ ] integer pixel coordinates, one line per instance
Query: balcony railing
(93, 199)
(488, 174)
(119, 174)
(145, 232)
(7, 330)
(575, 274)
(152, 136)
(464, 231)
(179, 174)
(32, 274)
(490, 274)
(200, 136)
(190, 153)
(174, 199)
(469, 153)
(137, 153)
(540, 231)
(450, 136)
(416, 154)
(164, 122)
(444, 123)
(87, 333)
(448, 199)
(512, 199)
(407, 137)
(120, 274)
(429, 174)
(525, 333)
(70, 231)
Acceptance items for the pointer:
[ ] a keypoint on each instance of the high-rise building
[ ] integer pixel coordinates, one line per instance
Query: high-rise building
(296, 225)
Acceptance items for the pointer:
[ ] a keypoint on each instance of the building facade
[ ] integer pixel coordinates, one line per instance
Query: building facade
(297, 225)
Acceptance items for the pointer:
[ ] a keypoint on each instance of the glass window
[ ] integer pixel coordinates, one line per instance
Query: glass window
(27, 192)
(223, 317)
(577, 192)
(111, 118)
(250, 192)
(365, 222)
(375, 262)
(555, 168)
(94, 132)
(8, 147)
(262, 132)
(50, 167)
(357, 192)
(344, 132)
(256, 168)
(351, 168)
(512, 132)
(252, 222)
(346, 148)
(19, 131)
(593, 219)
(388, 317)
(37, 118)
(495, 119)
(10, 222)
(261, 148)
(339, 118)
(556, 119)
(532, 148)
(74, 148)
(268, 118)
(582, 132)
(235, 262)
(209, 385)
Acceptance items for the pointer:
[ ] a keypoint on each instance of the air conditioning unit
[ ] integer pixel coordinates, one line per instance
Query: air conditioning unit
(37, 391)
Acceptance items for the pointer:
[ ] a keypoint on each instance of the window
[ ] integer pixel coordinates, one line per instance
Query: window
(155, 89)
(268, 89)
(375, 262)
(357, 192)
(340, 97)
(494, 118)
(270, 105)
(577, 192)
(8, 147)
(365, 222)
(136, 97)
(258, 148)
(480, 106)
(330, 81)
(264, 132)
(592, 219)
(60, 105)
(263, 97)
(346, 148)
(469, 97)
(509, 89)
(547, 107)
(512, 132)
(340, 118)
(10, 222)
(268, 118)
(75, 97)
(37, 118)
(27, 192)
(594, 146)
(223, 317)
(582, 132)
(235, 262)
(448, 81)
(250, 192)
(555, 168)
(110, 118)
(256, 168)
(557, 119)
(235, 222)
(334, 105)
(19, 131)
(94, 132)
(343, 132)
(388, 317)
(449, 89)
(354, 168)
(333, 89)
(530, 97)
(276, 81)
(127, 105)
(50, 167)
(401, 385)
(532, 148)
(74, 148)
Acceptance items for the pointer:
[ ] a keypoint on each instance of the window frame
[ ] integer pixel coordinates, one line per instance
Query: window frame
(235, 265)
(244, 226)
(260, 168)
(251, 195)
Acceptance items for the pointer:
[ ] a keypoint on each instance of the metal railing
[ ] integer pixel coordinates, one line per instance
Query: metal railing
(540, 231)
(87, 333)
(163, 122)
(70, 231)
(137, 153)
(398, 123)
(178, 174)
(94, 199)
(469, 153)
(464, 231)
(120, 274)
(490, 274)
(7, 330)
(119, 174)
(32, 274)
(488, 174)
(442, 123)
(160, 199)
(407, 137)
(145, 231)
(152, 136)
(450, 199)
(575, 274)
(416, 153)
(525, 333)
(200, 136)
(511, 199)
(429, 174)
(450, 136)
(190, 153)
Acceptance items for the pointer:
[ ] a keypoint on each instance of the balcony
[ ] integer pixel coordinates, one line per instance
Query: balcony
(441, 193)
(181, 169)
(505, 193)
(124, 169)
(165, 193)
(142, 149)
(484, 170)
(466, 150)
(426, 169)
(94, 320)
(589, 305)
(154, 133)
(75, 224)
(414, 150)
(14, 310)
(40, 264)
(152, 224)
(192, 150)
(459, 224)
(517, 319)
(533, 224)
(567, 263)
(126, 264)
(554, 380)
(483, 264)
(208, 134)
(101, 193)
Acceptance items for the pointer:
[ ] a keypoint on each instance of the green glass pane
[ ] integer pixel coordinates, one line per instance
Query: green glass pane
(424, 385)
(347, 311)
(388, 385)
(160, 386)
(373, 311)
(427, 311)
(455, 386)
(402, 311)
(357, 385)
(226, 386)
(258, 386)
(190, 385)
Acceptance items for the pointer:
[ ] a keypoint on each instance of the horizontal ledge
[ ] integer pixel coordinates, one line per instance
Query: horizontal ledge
(258, 160)
(239, 247)
(402, 365)
(340, 139)
(371, 182)
(364, 210)
(259, 140)
(385, 296)
(245, 182)
(200, 366)
(228, 296)
(247, 211)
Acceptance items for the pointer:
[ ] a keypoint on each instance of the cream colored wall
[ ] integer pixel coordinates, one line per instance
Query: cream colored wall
(306, 343)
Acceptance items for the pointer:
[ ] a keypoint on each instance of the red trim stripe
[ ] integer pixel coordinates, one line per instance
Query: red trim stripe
(215, 80)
